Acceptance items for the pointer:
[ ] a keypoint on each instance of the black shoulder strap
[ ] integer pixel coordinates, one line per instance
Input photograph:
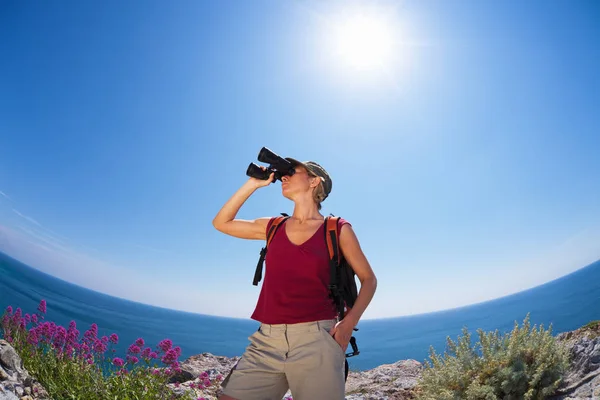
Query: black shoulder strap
(263, 252)
(335, 258)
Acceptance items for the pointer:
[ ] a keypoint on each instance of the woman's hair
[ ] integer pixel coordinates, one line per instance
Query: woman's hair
(318, 192)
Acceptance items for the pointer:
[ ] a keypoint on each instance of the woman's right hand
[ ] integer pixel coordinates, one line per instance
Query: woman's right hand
(258, 183)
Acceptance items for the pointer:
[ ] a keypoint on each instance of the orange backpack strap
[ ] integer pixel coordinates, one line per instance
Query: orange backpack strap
(263, 252)
(273, 228)
(331, 237)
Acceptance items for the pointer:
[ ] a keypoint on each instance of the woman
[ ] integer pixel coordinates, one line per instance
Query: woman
(300, 344)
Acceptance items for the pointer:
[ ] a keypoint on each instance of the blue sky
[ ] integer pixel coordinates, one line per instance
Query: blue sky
(466, 157)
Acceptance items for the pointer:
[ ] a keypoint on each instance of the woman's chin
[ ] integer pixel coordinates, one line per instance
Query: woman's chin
(286, 193)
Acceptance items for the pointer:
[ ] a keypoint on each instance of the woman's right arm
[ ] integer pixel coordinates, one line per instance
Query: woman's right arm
(226, 222)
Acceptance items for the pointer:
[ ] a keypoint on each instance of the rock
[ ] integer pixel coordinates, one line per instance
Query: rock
(582, 381)
(202, 374)
(398, 381)
(7, 396)
(9, 359)
(389, 381)
(385, 382)
(195, 365)
(15, 381)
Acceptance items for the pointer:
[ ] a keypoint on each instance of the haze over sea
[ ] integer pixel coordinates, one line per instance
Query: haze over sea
(567, 303)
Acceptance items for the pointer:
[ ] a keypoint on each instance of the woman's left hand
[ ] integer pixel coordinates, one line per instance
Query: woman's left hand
(342, 332)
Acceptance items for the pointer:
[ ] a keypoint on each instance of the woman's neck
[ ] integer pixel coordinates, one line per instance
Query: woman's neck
(306, 211)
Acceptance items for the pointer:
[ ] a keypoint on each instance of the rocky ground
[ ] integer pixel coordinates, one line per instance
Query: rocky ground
(583, 379)
(396, 381)
(390, 381)
(15, 381)
(203, 373)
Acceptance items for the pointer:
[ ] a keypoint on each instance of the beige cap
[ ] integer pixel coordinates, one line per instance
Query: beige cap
(317, 170)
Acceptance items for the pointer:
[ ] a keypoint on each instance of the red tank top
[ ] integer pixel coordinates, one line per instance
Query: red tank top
(295, 282)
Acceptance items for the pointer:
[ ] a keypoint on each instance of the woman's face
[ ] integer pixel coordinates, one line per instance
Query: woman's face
(296, 184)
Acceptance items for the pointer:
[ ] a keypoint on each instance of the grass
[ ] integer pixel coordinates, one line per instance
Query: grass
(593, 325)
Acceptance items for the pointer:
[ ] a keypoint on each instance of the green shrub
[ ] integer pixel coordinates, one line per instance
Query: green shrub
(526, 363)
(593, 325)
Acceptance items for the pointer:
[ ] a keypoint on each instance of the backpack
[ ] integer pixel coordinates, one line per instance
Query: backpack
(342, 286)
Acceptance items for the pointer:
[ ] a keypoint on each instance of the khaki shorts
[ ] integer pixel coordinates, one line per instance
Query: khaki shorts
(303, 357)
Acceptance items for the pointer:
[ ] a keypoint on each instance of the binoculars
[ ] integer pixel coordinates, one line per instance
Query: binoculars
(280, 166)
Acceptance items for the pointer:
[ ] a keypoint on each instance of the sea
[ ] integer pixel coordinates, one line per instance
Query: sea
(564, 304)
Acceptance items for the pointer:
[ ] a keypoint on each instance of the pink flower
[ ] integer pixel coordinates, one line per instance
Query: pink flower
(118, 362)
(60, 336)
(146, 352)
(85, 348)
(99, 347)
(133, 349)
(170, 357)
(32, 338)
(72, 333)
(165, 345)
(17, 316)
(42, 307)
(177, 350)
(92, 333)
(133, 359)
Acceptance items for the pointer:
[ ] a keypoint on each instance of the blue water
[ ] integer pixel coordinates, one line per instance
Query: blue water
(566, 303)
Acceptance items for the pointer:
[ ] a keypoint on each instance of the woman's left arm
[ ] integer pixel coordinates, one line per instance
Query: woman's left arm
(353, 253)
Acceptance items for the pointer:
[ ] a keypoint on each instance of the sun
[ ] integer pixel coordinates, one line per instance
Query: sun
(362, 41)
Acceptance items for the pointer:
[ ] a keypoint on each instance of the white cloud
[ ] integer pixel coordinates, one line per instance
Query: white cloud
(33, 221)
(43, 237)
(40, 232)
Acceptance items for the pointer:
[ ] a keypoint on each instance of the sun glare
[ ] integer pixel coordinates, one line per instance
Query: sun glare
(362, 41)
